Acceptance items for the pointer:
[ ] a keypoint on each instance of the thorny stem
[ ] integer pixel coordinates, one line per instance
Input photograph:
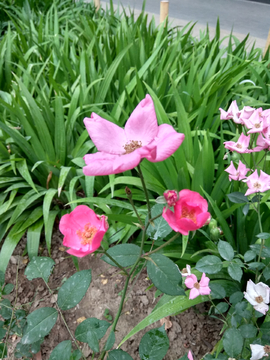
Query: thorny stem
(162, 246)
(12, 314)
(145, 190)
(66, 325)
(135, 265)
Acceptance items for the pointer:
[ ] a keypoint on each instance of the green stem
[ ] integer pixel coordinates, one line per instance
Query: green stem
(135, 210)
(162, 246)
(115, 262)
(262, 240)
(155, 217)
(145, 190)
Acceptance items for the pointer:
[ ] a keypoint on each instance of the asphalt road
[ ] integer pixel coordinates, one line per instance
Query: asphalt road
(240, 15)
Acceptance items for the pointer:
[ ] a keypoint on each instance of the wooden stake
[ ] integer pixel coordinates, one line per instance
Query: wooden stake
(97, 4)
(267, 43)
(164, 10)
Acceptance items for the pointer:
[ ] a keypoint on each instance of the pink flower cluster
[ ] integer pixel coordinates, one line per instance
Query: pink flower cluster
(191, 282)
(256, 122)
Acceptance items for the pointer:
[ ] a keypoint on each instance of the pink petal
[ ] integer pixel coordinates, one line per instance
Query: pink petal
(187, 225)
(205, 290)
(193, 293)
(231, 169)
(190, 357)
(202, 219)
(204, 280)
(142, 124)
(106, 135)
(126, 162)
(78, 253)
(190, 281)
(169, 216)
(166, 142)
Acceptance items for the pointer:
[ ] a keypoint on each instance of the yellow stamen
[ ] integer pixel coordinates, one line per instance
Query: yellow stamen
(188, 214)
(132, 145)
(259, 299)
(87, 234)
(196, 285)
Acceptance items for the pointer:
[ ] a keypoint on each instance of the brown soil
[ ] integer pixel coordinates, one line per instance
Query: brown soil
(191, 330)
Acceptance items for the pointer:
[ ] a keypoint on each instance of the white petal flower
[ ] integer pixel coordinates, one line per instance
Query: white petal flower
(258, 296)
(186, 271)
(259, 351)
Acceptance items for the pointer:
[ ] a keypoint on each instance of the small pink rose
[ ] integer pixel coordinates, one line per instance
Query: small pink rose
(197, 288)
(190, 212)
(171, 197)
(83, 230)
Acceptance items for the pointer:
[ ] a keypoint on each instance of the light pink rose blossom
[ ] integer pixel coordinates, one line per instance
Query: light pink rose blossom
(232, 113)
(186, 271)
(190, 212)
(238, 174)
(258, 296)
(241, 146)
(259, 351)
(257, 183)
(123, 149)
(171, 197)
(197, 288)
(262, 144)
(83, 230)
(256, 122)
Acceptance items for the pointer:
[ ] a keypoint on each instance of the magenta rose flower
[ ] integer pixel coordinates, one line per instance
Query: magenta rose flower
(190, 212)
(83, 230)
(123, 149)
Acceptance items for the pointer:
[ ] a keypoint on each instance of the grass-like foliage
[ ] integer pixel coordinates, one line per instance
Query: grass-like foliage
(60, 63)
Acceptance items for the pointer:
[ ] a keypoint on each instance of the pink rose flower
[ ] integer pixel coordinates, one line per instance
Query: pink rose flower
(241, 146)
(190, 212)
(257, 183)
(197, 288)
(171, 197)
(238, 174)
(190, 357)
(83, 230)
(232, 113)
(123, 149)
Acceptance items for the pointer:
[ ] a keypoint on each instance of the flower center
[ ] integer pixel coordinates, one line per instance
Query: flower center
(239, 146)
(257, 126)
(184, 271)
(267, 349)
(132, 145)
(259, 299)
(188, 214)
(87, 234)
(196, 285)
(257, 185)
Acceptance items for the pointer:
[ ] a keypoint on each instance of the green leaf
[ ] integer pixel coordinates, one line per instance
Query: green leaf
(98, 326)
(235, 271)
(2, 334)
(62, 177)
(249, 255)
(238, 198)
(5, 309)
(217, 291)
(236, 297)
(233, 342)
(161, 228)
(74, 289)
(33, 238)
(175, 305)
(62, 351)
(263, 236)
(39, 324)
(124, 254)
(2, 278)
(225, 250)
(164, 274)
(184, 244)
(110, 341)
(266, 273)
(154, 344)
(118, 355)
(210, 264)
(39, 267)
(8, 289)
(248, 331)
(23, 170)
(59, 133)
(221, 308)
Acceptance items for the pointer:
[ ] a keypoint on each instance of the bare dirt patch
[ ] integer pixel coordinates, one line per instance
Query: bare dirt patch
(191, 330)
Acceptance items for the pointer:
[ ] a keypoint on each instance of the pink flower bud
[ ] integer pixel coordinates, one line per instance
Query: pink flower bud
(171, 197)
